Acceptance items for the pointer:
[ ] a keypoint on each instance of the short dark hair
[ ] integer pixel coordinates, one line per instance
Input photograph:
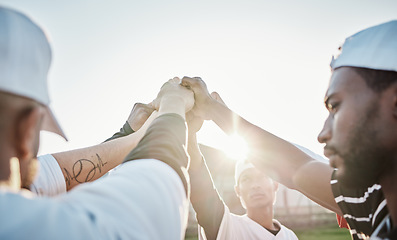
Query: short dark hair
(377, 80)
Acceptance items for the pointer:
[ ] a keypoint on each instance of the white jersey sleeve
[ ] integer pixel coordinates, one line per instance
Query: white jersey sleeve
(49, 180)
(235, 227)
(142, 199)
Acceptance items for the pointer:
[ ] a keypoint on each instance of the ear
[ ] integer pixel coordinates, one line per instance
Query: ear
(237, 190)
(28, 127)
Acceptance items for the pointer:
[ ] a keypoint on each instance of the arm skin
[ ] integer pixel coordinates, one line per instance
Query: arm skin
(139, 114)
(204, 197)
(88, 164)
(276, 157)
(165, 139)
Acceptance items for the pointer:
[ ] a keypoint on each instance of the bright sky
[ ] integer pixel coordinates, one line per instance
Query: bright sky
(269, 60)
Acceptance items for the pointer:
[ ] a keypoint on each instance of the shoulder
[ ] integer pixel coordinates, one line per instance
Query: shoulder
(50, 180)
(363, 208)
(285, 233)
(353, 199)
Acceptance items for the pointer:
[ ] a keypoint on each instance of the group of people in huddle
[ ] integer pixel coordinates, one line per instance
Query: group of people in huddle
(158, 166)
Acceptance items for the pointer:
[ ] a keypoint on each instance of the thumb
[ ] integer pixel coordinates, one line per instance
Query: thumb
(151, 105)
(155, 104)
(187, 82)
(175, 80)
(217, 97)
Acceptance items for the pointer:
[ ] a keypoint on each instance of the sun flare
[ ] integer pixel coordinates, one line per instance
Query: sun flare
(235, 147)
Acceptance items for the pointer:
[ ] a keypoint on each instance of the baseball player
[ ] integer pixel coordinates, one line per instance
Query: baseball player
(257, 193)
(359, 184)
(146, 198)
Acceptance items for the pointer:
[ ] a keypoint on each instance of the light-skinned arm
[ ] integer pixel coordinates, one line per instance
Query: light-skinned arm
(204, 197)
(90, 163)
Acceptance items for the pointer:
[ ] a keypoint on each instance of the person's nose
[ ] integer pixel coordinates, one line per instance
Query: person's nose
(325, 134)
(255, 185)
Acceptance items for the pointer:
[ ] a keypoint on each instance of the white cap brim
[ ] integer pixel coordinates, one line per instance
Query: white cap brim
(51, 124)
(240, 167)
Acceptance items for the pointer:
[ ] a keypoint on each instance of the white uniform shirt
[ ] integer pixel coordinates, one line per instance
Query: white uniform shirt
(235, 227)
(143, 199)
(49, 180)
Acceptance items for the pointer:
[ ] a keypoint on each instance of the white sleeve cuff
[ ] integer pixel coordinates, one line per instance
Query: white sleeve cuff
(49, 180)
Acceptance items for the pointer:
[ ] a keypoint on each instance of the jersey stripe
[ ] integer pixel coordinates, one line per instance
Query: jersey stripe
(381, 206)
(358, 219)
(360, 199)
(363, 208)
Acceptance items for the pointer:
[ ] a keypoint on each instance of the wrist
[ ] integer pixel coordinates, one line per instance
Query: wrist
(213, 108)
(191, 136)
(172, 104)
(128, 127)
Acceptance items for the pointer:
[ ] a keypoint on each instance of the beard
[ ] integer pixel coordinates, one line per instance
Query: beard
(366, 158)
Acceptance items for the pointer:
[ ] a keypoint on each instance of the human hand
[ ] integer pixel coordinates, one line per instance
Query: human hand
(174, 91)
(218, 98)
(139, 114)
(203, 99)
(141, 132)
(195, 122)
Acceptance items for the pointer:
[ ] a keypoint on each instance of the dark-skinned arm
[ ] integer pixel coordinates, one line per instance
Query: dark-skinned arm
(278, 158)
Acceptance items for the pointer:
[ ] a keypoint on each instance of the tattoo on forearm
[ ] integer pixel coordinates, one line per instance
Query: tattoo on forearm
(80, 167)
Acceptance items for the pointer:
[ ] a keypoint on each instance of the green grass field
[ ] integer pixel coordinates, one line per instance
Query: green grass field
(321, 233)
(324, 233)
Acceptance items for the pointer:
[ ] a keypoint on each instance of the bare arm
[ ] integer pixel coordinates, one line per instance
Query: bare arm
(276, 157)
(138, 116)
(88, 164)
(204, 197)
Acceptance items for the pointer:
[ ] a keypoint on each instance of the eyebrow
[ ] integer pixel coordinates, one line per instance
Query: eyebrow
(327, 98)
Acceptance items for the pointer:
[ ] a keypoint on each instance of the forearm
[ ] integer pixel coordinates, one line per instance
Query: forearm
(280, 159)
(204, 197)
(275, 156)
(88, 164)
(171, 104)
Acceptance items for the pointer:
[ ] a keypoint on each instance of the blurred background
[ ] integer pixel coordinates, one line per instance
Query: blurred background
(307, 219)
(269, 61)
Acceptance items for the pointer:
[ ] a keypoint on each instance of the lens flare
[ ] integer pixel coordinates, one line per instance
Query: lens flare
(235, 147)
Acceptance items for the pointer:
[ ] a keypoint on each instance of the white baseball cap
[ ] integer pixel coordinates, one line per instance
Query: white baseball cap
(25, 58)
(240, 167)
(373, 48)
